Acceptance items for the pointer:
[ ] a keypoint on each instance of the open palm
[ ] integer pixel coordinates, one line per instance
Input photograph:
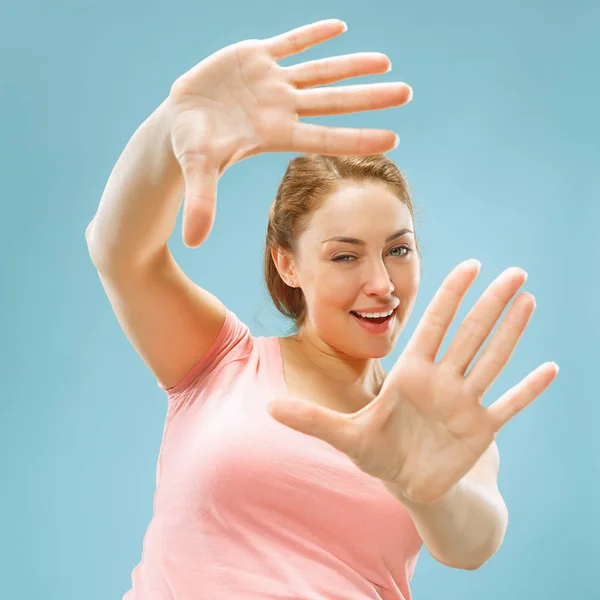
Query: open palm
(240, 102)
(427, 427)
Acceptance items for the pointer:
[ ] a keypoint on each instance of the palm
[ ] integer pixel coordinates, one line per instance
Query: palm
(427, 427)
(239, 102)
(423, 432)
(236, 102)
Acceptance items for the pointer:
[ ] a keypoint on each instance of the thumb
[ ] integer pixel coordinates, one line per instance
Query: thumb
(311, 419)
(200, 203)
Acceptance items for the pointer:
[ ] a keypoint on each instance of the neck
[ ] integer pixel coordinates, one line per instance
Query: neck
(360, 375)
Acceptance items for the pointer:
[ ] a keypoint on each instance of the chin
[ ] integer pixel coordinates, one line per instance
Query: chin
(371, 346)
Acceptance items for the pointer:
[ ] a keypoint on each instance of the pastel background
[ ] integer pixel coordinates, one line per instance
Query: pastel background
(501, 148)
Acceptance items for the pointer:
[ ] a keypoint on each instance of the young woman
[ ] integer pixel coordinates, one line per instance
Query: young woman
(296, 467)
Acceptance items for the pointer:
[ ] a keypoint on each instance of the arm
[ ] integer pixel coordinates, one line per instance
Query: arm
(170, 321)
(467, 526)
(465, 529)
(138, 209)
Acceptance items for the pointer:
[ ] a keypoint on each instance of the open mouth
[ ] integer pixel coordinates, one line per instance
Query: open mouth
(377, 324)
(377, 320)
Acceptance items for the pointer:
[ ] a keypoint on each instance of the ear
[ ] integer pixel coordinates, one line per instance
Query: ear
(284, 264)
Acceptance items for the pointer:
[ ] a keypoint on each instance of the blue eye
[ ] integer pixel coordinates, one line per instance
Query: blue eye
(401, 248)
(407, 248)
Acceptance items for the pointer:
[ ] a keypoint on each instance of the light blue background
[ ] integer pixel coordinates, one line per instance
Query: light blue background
(500, 147)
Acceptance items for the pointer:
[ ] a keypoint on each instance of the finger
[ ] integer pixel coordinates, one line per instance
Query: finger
(337, 68)
(521, 395)
(348, 99)
(501, 347)
(200, 202)
(308, 138)
(300, 38)
(482, 317)
(432, 328)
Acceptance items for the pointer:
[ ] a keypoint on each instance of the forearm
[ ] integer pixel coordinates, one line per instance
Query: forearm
(138, 208)
(464, 529)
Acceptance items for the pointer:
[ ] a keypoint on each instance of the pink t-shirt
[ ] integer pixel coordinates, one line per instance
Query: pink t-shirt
(248, 508)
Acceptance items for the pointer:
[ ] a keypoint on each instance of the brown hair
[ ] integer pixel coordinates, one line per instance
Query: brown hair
(307, 182)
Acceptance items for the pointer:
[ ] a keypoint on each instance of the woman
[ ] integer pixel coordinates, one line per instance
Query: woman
(296, 467)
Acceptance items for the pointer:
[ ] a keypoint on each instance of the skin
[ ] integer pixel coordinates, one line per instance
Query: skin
(426, 435)
(341, 357)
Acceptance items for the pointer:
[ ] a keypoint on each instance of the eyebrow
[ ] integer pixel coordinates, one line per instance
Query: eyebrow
(351, 240)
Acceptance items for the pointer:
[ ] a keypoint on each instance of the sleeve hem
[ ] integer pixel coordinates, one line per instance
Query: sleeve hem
(202, 363)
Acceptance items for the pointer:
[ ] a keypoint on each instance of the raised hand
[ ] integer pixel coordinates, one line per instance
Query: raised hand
(427, 427)
(239, 102)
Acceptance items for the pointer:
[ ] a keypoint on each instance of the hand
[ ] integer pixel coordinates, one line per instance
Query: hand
(427, 428)
(239, 102)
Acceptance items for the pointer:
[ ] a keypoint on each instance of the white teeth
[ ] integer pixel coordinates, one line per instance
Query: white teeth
(375, 315)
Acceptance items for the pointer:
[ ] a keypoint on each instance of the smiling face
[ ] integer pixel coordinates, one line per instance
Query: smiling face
(374, 272)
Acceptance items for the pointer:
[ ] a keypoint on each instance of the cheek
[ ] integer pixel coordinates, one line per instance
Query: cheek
(329, 284)
(408, 280)
(408, 291)
(333, 298)
(330, 296)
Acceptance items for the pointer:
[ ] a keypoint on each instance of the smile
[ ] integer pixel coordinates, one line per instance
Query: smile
(375, 325)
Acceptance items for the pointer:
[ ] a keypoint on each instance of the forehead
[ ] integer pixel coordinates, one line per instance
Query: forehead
(365, 210)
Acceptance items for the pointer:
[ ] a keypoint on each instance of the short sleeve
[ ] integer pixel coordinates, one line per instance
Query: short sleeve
(233, 342)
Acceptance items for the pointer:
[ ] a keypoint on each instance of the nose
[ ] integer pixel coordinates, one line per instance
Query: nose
(378, 281)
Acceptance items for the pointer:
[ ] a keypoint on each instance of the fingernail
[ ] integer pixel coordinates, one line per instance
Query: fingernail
(345, 25)
(397, 141)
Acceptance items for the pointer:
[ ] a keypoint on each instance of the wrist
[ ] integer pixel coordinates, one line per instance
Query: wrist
(413, 505)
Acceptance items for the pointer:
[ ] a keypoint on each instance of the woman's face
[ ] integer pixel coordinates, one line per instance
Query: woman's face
(338, 277)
